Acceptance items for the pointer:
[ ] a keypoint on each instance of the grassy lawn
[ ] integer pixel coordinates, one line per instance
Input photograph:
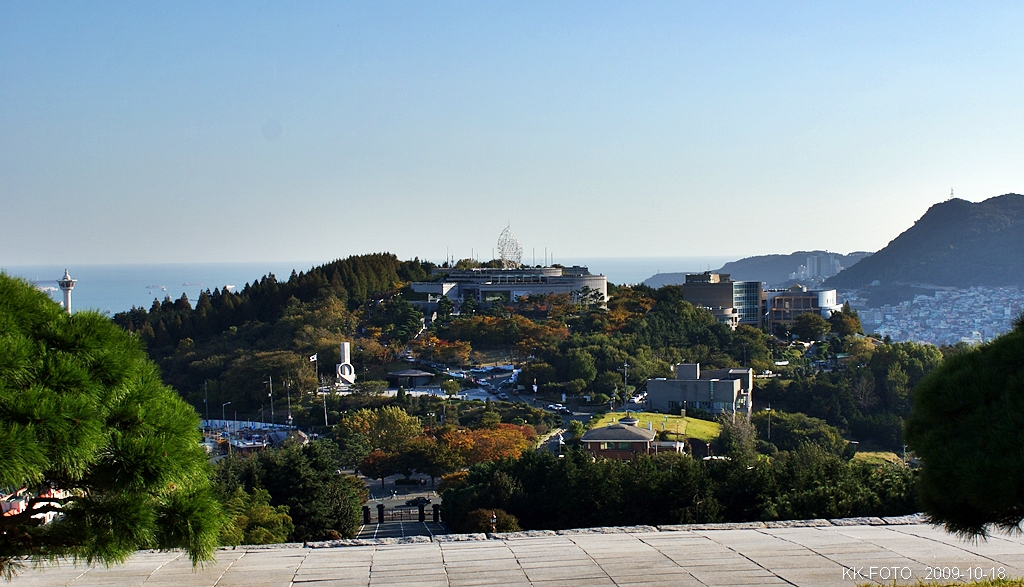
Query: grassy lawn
(691, 427)
(877, 457)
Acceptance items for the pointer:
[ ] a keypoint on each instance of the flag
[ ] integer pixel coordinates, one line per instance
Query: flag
(312, 358)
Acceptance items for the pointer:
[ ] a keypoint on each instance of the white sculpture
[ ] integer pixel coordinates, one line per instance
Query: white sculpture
(346, 372)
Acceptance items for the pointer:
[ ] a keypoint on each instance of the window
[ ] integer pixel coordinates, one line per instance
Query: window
(623, 446)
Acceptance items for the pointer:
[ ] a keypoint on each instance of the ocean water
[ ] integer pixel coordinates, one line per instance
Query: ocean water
(117, 288)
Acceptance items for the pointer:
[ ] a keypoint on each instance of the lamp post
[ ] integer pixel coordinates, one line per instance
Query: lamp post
(270, 380)
(769, 410)
(223, 417)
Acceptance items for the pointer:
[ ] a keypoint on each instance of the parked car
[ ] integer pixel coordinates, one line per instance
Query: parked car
(503, 396)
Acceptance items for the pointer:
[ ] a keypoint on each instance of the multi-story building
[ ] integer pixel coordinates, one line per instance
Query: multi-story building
(732, 302)
(508, 285)
(714, 391)
(785, 305)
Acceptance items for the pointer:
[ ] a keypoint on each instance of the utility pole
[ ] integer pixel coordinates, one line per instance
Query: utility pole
(270, 380)
(625, 378)
(316, 384)
(206, 400)
(288, 392)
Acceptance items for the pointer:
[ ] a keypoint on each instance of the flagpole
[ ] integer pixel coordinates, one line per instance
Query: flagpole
(316, 383)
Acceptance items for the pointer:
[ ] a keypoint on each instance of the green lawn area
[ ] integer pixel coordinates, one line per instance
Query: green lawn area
(877, 457)
(691, 427)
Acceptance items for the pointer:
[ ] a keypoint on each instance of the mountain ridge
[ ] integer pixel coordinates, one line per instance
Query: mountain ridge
(771, 269)
(955, 243)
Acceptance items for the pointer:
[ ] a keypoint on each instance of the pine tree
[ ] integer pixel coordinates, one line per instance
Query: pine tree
(88, 432)
(967, 428)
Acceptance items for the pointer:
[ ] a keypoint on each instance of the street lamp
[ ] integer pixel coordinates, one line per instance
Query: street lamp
(223, 417)
(271, 396)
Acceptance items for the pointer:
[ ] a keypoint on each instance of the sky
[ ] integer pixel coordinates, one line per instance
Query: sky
(153, 132)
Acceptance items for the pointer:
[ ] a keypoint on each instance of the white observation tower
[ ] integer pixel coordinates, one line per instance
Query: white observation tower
(66, 285)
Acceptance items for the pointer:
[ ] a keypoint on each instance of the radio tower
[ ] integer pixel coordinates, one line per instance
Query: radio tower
(66, 285)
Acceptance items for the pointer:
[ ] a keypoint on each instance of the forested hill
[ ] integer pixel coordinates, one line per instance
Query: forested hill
(770, 269)
(352, 281)
(956, 243)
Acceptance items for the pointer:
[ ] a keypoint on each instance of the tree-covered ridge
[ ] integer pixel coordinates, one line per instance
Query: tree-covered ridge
(233, 342)
(956, 243)
(352, 281)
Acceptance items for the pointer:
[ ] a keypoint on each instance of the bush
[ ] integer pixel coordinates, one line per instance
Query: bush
(480, 521)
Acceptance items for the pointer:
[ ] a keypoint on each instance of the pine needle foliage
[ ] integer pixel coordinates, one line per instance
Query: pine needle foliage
(967, 427)
(89, 432)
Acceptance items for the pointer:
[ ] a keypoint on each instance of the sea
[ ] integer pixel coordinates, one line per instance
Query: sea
(110, 289)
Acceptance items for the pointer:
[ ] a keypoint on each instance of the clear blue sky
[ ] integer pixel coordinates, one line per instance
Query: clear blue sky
(153, 132)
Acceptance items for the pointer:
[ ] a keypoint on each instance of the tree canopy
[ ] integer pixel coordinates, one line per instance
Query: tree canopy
(967, 427)
(89, 432)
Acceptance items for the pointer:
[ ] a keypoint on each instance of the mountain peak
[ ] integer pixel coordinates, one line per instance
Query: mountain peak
(956, 243)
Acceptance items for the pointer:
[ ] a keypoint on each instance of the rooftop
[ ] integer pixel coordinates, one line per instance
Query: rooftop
(619, 433)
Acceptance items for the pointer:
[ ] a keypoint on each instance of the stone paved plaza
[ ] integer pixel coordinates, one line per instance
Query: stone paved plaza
(817, 552)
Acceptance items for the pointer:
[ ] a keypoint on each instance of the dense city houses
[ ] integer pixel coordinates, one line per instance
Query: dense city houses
(973, 315)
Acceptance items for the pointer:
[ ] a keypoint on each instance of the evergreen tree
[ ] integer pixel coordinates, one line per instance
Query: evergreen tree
(90, 432)
(967, 427)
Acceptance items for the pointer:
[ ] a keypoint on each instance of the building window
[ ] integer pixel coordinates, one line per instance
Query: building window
(623, 446)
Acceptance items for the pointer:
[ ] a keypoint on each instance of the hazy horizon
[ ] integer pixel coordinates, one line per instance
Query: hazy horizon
(139, 133)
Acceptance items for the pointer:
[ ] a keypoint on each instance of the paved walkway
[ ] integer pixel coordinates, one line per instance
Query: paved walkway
(832, 553)
(401, 529)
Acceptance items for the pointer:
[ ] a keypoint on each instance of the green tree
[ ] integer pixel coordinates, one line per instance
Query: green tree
(322, 504)
(393, 428)
(846, 322)
(451, 387)
(580, 365)
(91, 432)
(490, 420)
(967, 427)
(790, 430)
(576, 428)
(469, 306)
(370, 387)
(810, 326)
(252, 520)
(445, 307)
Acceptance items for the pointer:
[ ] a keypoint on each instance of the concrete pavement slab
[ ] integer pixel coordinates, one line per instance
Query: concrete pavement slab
(809, 553)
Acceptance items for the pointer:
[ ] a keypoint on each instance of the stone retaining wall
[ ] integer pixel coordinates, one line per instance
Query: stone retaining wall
(867, 521)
